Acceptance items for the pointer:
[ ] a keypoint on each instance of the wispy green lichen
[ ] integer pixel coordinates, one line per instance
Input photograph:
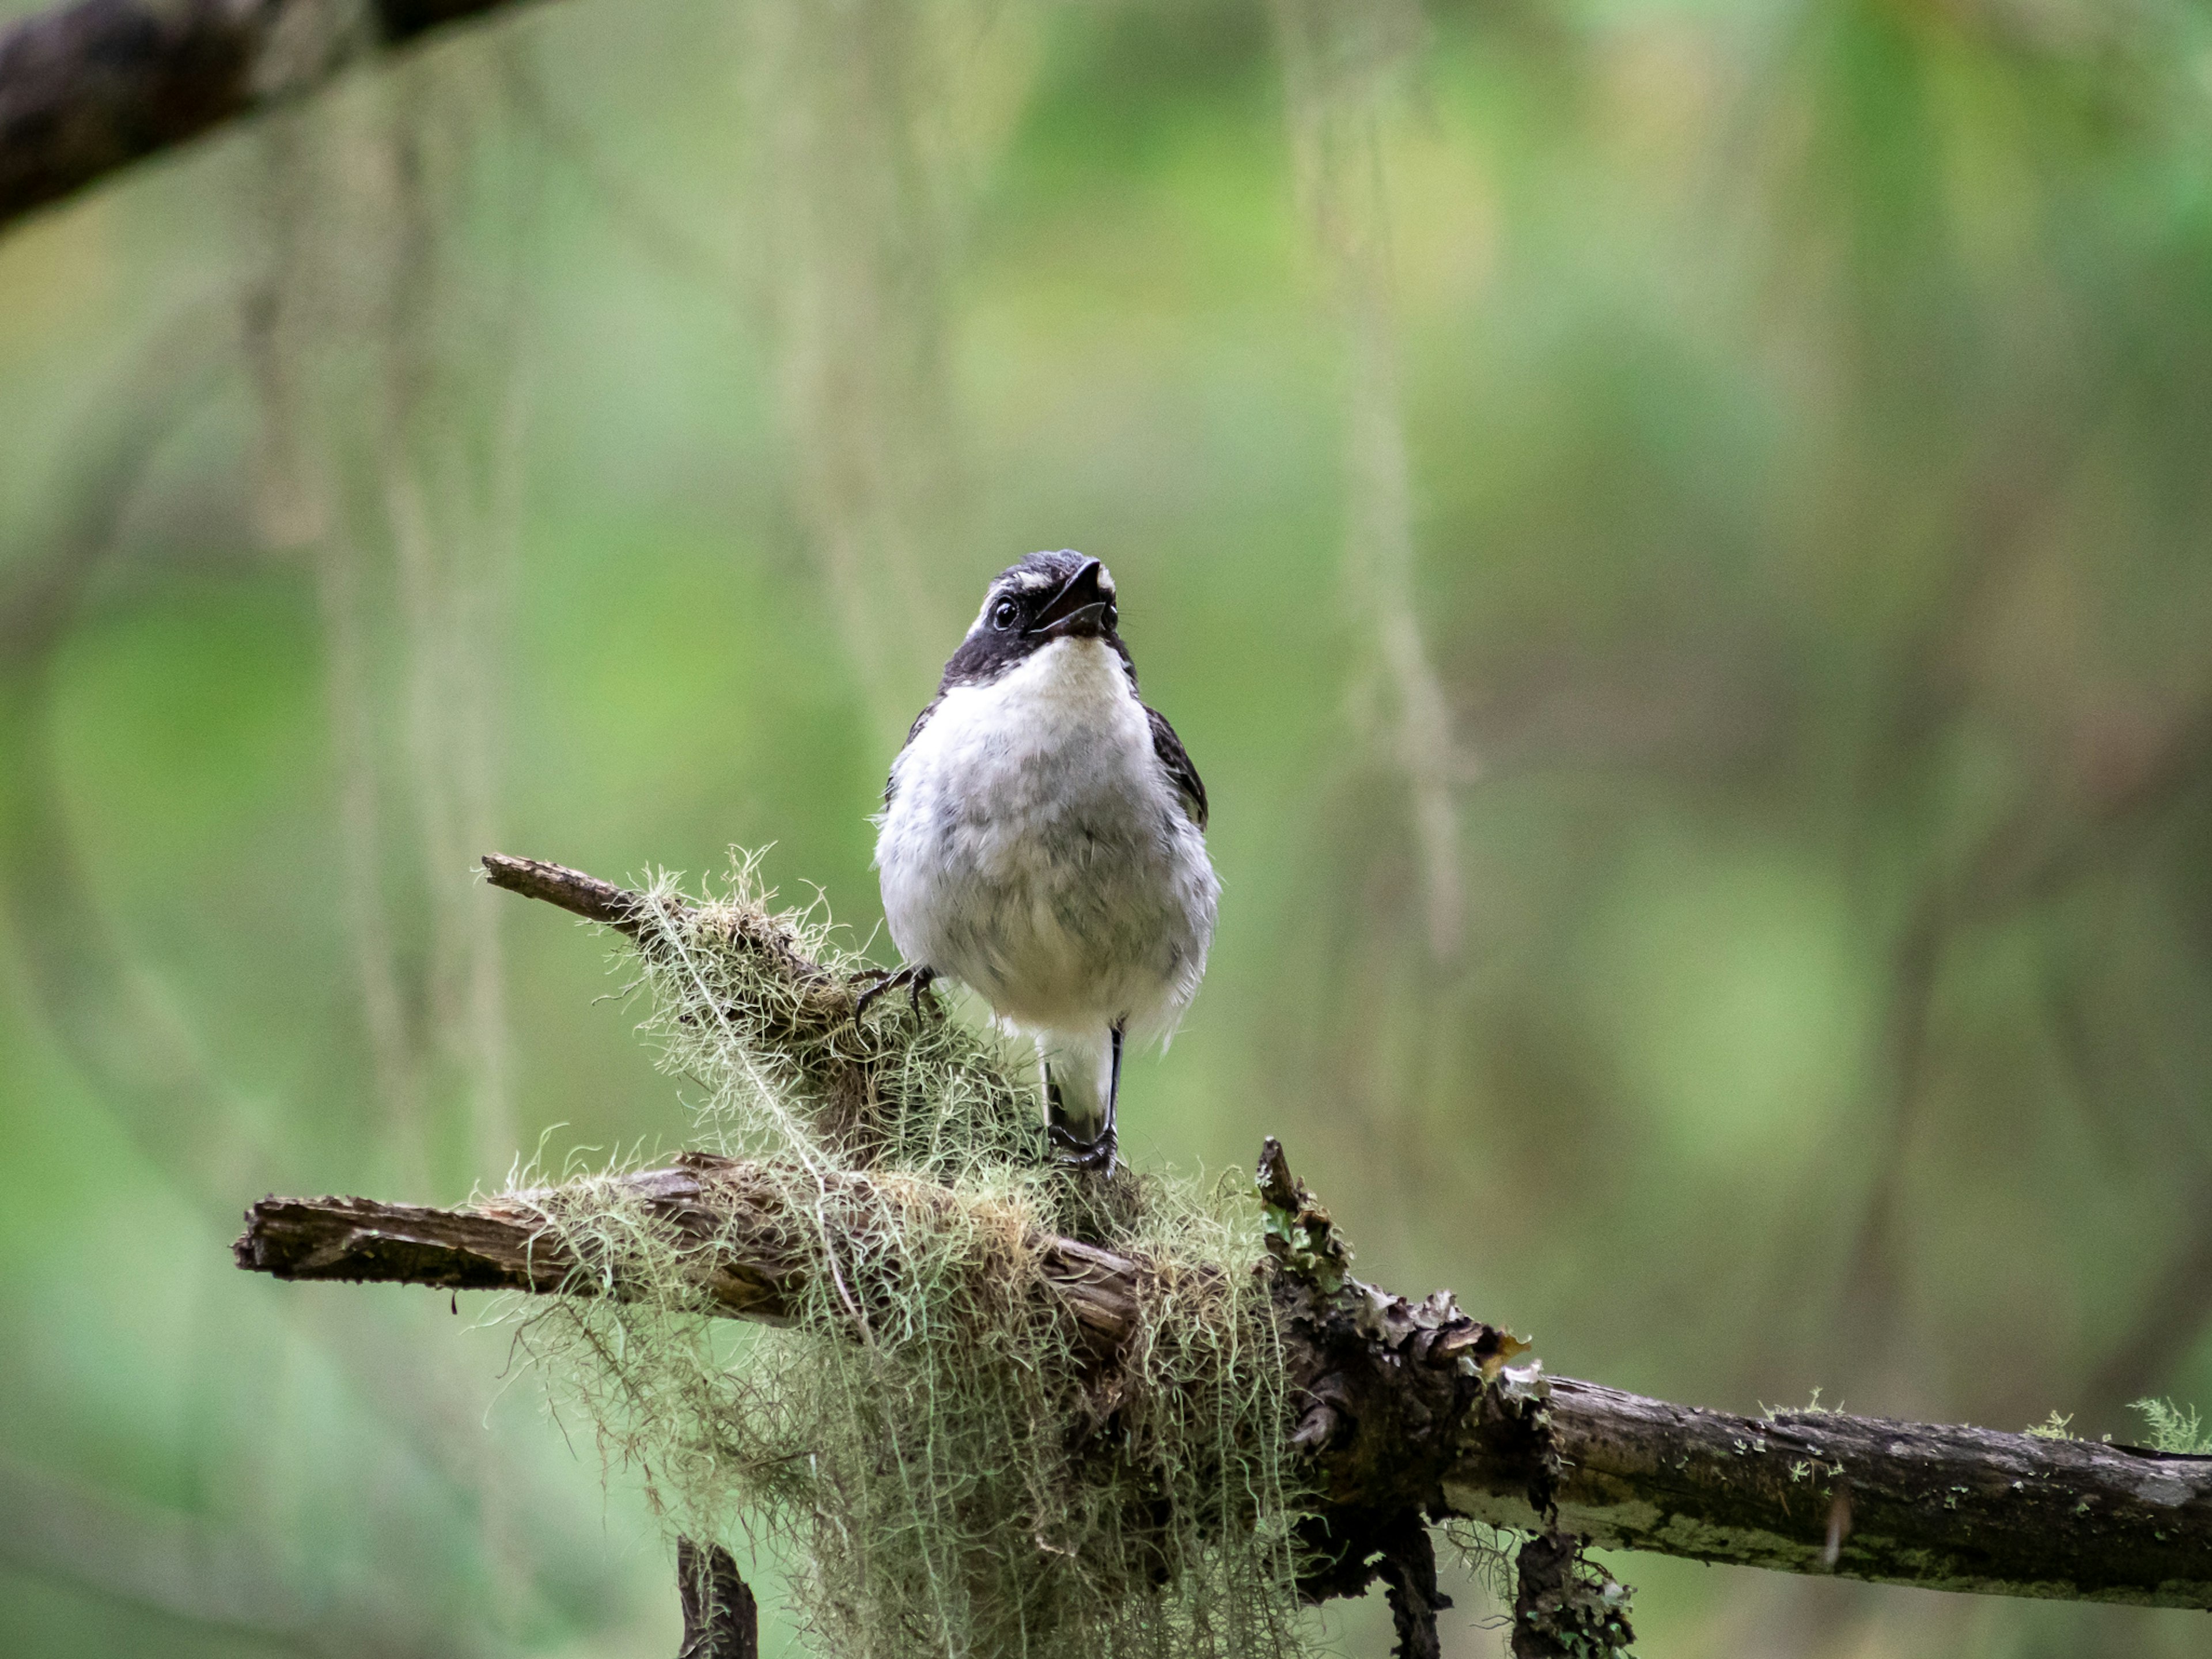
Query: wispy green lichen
(1812, 1407)
(2174, 1429)
(948, 1469)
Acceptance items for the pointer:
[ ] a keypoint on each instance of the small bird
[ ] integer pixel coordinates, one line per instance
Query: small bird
(1042, 842)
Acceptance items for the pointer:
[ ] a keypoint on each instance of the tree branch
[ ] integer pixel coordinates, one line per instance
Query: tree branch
(1406, 1410)
(745, 1261)
(1941, 1506)
(87, 90)
(1947, 1508)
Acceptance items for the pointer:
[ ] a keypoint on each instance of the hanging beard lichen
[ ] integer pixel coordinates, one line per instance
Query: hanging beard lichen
(946, 1463)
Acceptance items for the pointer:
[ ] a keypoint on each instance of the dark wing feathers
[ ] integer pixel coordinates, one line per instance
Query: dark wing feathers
(921, 719)
(911, 732)
(1174, 757)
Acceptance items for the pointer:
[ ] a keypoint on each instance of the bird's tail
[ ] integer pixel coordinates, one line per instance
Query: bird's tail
(1082, 1076)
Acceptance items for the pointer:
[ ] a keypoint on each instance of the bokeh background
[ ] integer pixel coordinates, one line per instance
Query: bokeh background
(1675, 530)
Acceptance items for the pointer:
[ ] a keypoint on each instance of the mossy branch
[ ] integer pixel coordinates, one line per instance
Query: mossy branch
(1399, 1411)
(1945, 1507)
(745, 1250)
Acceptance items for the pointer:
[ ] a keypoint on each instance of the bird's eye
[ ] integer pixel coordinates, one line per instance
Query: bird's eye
(1004, 616)
(1110, 616)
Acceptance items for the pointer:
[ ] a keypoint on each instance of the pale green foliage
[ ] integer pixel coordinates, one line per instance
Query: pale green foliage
(2053, 1427)
(945, 1470)
(2174, 1429)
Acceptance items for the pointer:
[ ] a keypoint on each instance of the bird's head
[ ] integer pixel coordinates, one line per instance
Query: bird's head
(1046, 597)
(1050, 596)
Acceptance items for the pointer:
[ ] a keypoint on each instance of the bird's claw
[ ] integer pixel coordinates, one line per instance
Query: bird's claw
(917, 979)
(1071, 1152)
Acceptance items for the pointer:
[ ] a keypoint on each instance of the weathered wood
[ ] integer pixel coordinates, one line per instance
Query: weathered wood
(87, 90)
(1943, 1506)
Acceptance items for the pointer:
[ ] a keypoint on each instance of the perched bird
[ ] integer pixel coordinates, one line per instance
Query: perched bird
(1042, 842)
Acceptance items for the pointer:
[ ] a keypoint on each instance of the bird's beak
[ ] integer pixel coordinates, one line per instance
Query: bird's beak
(1078, 610)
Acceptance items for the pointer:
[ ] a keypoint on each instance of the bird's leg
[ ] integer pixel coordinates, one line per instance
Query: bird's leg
(1079, 1069)
(916, 977)
(1070, 1150)
(1114, 1089)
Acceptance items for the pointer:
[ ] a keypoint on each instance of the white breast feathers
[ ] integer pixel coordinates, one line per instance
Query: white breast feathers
(1034, 848)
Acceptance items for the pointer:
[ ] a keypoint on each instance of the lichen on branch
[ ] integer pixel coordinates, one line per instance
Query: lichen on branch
(946, 1454)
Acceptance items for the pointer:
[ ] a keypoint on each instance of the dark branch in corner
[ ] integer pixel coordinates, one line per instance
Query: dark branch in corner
(1413, 1412)
(87, 90)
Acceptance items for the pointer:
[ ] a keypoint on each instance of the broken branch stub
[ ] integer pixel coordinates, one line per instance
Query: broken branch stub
(1377, 1383)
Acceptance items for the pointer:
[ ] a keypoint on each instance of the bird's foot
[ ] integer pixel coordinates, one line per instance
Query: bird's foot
(1069, 1151)
(917, 979)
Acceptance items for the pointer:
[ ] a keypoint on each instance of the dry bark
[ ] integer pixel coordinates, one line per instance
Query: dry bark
(87, 90)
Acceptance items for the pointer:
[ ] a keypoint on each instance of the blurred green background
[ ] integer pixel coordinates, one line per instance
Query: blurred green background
(1676, 532)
